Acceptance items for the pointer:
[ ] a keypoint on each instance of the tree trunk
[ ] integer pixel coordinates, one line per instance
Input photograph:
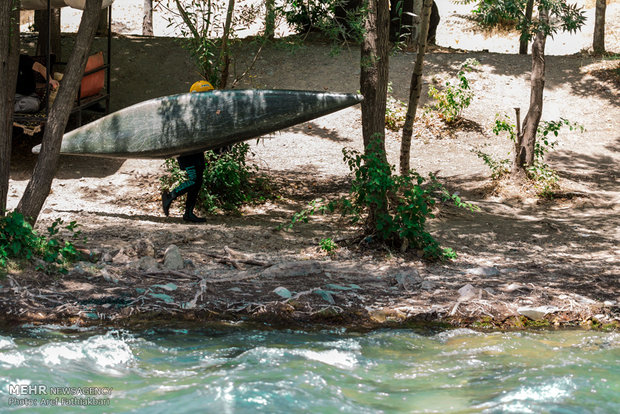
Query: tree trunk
(598, 44)
(270, 19)
(415, 89)
(224, 61)
(147, 21)
(374, 65)
(9, 58)
(529, 9)
(42, 24)
(39, 186)
(526, 140)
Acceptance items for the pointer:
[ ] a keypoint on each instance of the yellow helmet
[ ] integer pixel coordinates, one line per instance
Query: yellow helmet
(201, 86)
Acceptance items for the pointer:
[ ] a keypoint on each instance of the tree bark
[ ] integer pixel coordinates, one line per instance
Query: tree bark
(598, 44)
(270, 19)
(529, 10)
(147, 21)
(9, 58)
(526, 140)
(374, 65)
(224, 61)
(415, 89)
(39, 186)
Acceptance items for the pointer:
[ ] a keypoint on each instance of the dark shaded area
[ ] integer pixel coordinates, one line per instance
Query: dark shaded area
(69, 167)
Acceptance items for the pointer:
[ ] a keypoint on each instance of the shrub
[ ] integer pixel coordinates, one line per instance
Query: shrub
(19, 241)
(410, 201)
(454, 98)
(229, 181)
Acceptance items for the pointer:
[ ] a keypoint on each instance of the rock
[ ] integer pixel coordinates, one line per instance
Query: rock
(148, 263)
(514, 287)
(144, 247)
(121, 258)
(609, 303)
(107, 276)
(427, 285)
(536, 313)
(484, 271)
(467, 293)
(107, 257)
(172, 258)
(408, 279)
(283, 292)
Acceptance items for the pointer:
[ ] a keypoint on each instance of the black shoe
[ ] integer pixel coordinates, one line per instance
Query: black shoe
(166, 200)
(191, 217)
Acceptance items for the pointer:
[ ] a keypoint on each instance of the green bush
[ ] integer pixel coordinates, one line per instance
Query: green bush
(544, 178)
(322, 16)
(454, 98)
(410, 201)
(229, 181)
(19, 241)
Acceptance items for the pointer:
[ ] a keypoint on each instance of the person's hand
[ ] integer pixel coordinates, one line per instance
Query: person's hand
(54, 83)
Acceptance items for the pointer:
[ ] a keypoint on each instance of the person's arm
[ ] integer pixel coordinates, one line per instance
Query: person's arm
(37, 67)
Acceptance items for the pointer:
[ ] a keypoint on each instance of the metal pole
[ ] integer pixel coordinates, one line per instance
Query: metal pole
(47, 58)
(108, 75)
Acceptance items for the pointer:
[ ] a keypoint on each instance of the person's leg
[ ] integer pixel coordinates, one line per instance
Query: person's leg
(193, 192)
(193, 165)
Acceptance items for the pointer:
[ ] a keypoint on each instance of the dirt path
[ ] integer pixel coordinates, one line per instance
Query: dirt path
(560, 258)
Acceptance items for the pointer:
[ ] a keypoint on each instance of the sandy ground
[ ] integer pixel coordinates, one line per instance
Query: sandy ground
(518, 252)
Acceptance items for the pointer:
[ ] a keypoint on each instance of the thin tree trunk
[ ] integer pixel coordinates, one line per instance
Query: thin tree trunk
(526, 140)
(374, 72)
(529, 10)
(598, 44)
(374, 65)
(415, 89)
(147, 21)
(270, 19)
(39, 186)
(9, 58)
(224, 55)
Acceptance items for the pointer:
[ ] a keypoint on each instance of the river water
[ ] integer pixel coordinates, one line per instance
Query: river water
(234, 370)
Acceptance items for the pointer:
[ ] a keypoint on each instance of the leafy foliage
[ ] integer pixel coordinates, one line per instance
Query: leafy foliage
(229, 181)
(328, 245)
(19, 241)
(455, 97)
(564, 17)
(545, 179)
(202, 26)
(316, 15)
(410, 202)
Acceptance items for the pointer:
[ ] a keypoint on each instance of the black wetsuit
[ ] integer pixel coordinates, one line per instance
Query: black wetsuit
(194, 167)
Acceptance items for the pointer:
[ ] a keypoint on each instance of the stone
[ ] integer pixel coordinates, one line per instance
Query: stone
(408, 279)
(484, 271)
(121, 258)
(427, 285)
(283, 292)
(107, 257)
(148, 263)
(107, 276)
(536, 313)
(144, 247)
(467, 293)
(172, 258)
